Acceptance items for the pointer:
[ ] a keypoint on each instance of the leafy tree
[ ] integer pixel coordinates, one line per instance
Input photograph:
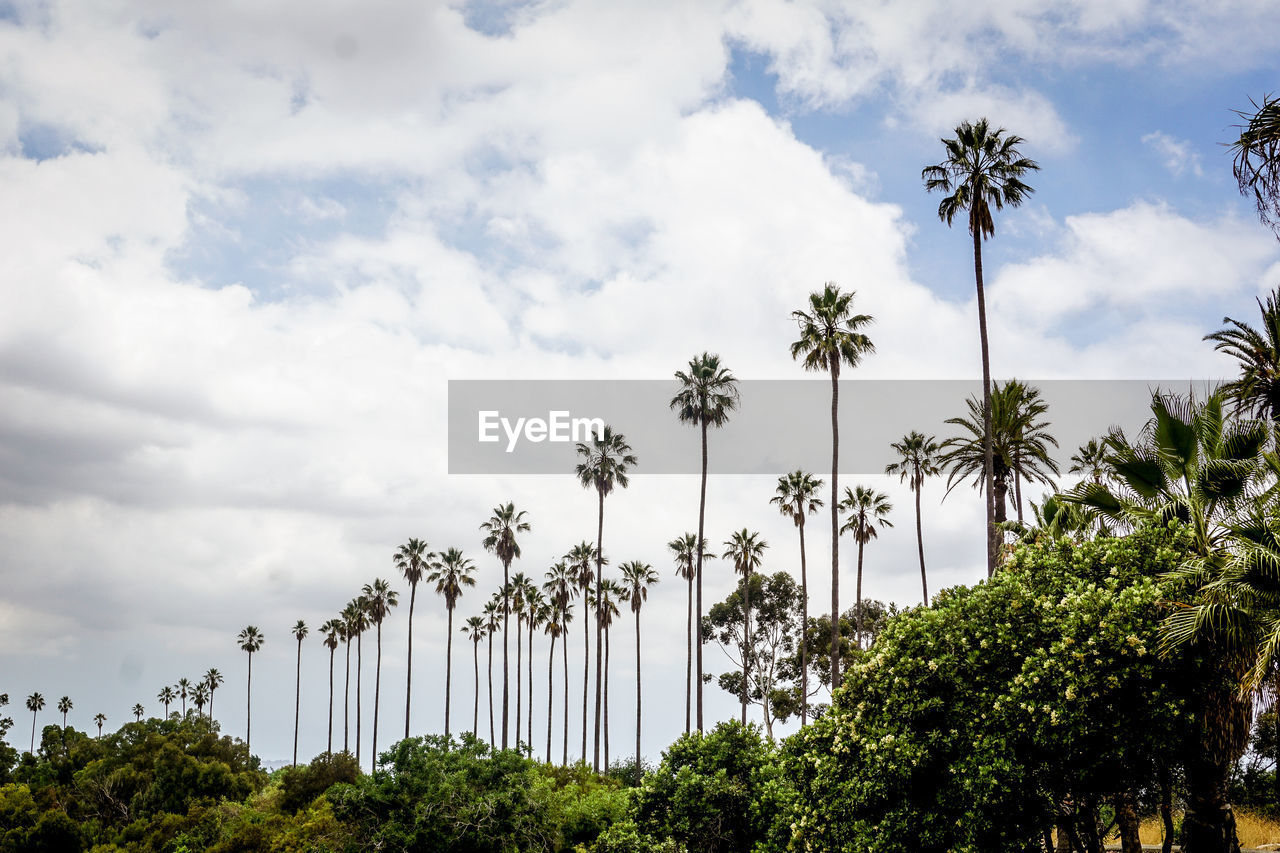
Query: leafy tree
(412, 560)
(501, 531)
(379, 598)
(299, 786)
(746, 549)
(917, 461)
(983, 171)
(1256, 163)
(867, 509)
(250, 641)
(708, 394)
(637, 577)
(451, 575)
(688, 558)
(300, 631)
(831, 336)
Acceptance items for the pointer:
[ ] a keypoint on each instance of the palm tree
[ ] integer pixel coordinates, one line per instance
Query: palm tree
(688, 558)
(1090, 460)
(474, 628)
(250, 640)
(299, 633)
(379, 598)
(492, 609)
(1256, 166)
(64, 708)
(708, 393)
(184, 690)
(349, 617)
(332, 631)
(451, 575)
(637, 577)
(797, 497)
(830, 337)
(917, 461)
(866, 508)
(138, 711)
(1257, 390)
(580, 558)
(608, 610)
(199, 697)
(357, 624)
(213, 680)
(560, 589)
(746, 549)
(519, 584)
(412, 559)
(605, 462)
(166, 697)
(535, 605)
(35, 704)
(983, 170)
(99, 718)
(502, 529)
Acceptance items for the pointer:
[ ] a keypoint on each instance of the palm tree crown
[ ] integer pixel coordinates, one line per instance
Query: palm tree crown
(708, 392)
(1256, 165)
(1257, 390)
(830, 333)
(983, 170)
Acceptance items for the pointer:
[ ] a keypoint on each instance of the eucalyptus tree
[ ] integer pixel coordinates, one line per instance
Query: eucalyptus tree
(917, 461)
(1256, 391)
(250, 640)
(708, 393)
(357, 616)
(637, 577)
(688, 558)
(612, 595)
(138, 711)
(501, 531)
(64, 707)
(492, 612)
(474, 628)
(605, 461)
(184, 690)
(983, 171)
(411, 559)
(746, 549)
(451, 575)
(213, 680)
(1256, 159)
(831, 337)
(166, 696)
(866, 509)
(300, 631)
(379, 598)
(332, 631)
(580, 558)
(797, 497)
(535, 604)
(99, 718)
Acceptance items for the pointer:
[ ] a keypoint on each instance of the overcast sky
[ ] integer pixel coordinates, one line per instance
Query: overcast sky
(248, 243)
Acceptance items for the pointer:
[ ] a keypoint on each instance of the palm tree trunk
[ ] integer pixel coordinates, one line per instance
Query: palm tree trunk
(1017, 487)
(835, 525)
(519, 675)
(1002, 501)
(702, 514)
(346, 699)
(529, 664)
(688, 666)
(987, 443)
(606, 699)
(804, 632)
(924, 581)
(408, 681)
(359, 667)
(248, 705)
(564, 656)
(297, 704)
(475, 710)
(492, 741)
(639, 704)
(329, 748)
(448, 671)
(212, 690)
(1209, 825)
(506, 672)
(746, 638)
(551, 665)
(857, 619)
(32, 751)
(586, 664)
(377, 696)
(599, 626)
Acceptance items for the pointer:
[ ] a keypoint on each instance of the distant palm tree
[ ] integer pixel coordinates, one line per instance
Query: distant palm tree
(746, 549)
(379, 598)
(797, 498)
(580, 558)
(332, 631)
(1256, 166)
(138, 711)
(917, 460)
(1257, 353)
(708, 393)
(348, 617)
(867, 509)
(412, 559)
(637, 577)
(559, 588)
(299, 633)
(555, 627)
(357, 624)
(492, 610)
(688, 558)
(606, 460)
(983, 170)
(1090, 461)
(166, 696)
(501, 529)
(99, 718)
(831, 337)
(608, 610)
(535, 605)
(64, 708)
(212, 680)
(35, 704)
(451, 575)
(474, 628)
(515, 595)
(250, 640)
(199, 698)
(184, 690)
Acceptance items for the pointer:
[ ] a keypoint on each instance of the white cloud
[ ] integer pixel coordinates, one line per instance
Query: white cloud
(1176, 154)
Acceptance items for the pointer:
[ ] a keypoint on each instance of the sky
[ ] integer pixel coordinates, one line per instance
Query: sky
(248, 244)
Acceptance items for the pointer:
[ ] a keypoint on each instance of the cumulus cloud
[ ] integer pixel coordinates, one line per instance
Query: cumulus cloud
(1177, 155)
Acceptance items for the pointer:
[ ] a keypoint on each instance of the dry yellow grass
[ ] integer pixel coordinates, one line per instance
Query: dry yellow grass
(1253, 830)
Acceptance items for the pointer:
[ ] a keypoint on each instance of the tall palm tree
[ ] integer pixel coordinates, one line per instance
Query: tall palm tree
(200, 698)
(357, 624)
(332, 631)
(349, 617)
(797, 497)
(1257, 390)
(708, 393)
(608, 610)
(688, 558)
(1256, 163)
(250, 640)
(535, 615)
(64, 708)
(519, 584)
(166, 697)
(451, 575)
(99, 718)
(138, 711)
(492, 610)
(379, 598)
(983, 170)
(580, 558)
(604, 464)
(412, 559)
(746, 549)
(501, 531)
(917, 461)
(474, 628)
(213, 680)
(637, 577)
(560, 589)
(1090, 460)
(866, 509)
(831, 337)
(184, 690)
(299, 633)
